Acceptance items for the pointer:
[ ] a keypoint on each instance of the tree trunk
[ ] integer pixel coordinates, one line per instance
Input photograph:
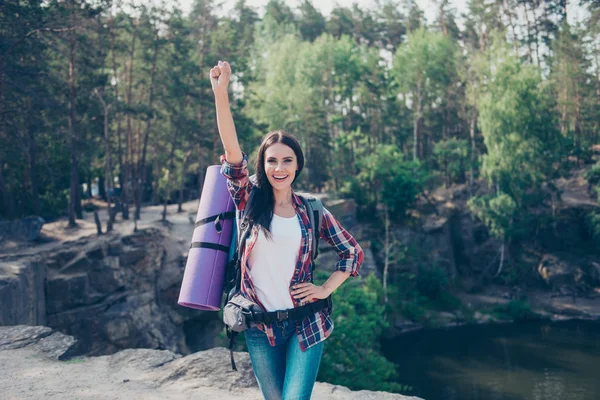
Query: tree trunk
(33, 181)
(98, 223)
(8, 204)
(108, 163)
(530, 50)
(182, 182)
(74, 191)
(168, 188)
(141, 181)
(129, 142)
(416, 122)
(473, 125)
(537, 36)
(201, 171)
(118, 118)
(388, 254)
(508, 10)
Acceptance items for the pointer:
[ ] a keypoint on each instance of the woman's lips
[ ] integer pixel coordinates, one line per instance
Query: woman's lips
(280, 179)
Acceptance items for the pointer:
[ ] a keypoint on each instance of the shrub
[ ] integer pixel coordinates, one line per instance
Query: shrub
(515, 310)
(593, 174)
(432, 281)
(352, 355)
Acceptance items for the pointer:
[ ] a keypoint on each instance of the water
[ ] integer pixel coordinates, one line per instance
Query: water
(528, 361)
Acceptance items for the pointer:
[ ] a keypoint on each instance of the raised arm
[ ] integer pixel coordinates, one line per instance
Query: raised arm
(219, 80)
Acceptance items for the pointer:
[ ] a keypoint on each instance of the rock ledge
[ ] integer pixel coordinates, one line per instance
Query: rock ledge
(31, 355)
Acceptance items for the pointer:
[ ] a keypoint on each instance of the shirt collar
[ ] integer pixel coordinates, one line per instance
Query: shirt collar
(298, 201)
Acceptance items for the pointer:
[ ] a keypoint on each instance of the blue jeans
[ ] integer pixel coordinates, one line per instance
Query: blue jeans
(283, 371)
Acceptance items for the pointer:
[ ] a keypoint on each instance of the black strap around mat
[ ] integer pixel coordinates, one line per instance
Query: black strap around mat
(206, 245)
(217, 218)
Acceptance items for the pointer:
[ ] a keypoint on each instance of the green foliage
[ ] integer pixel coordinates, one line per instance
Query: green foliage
(592, 222)
(54, 204)
(352, 354)
(432, 281)
(386, 178)
(593, 174)
(515, 310)
(423, 64)
(497, 212)
(516, 121)
(76, 360)
(452, 155)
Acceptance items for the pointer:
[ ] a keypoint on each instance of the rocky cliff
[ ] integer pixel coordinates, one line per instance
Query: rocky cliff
(120, 290)
(111, 292)
(31, 370)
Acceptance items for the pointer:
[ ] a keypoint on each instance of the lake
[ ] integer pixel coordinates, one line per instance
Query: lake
(520, 361)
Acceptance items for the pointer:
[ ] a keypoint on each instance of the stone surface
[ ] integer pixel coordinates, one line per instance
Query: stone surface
(22, 292)
(14, 337)
(28, 373)
(58, 346)
(107, 291)
(27, 228)
(558, 271)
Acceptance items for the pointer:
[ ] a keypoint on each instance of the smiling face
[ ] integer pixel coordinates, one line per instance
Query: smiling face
(280, 165)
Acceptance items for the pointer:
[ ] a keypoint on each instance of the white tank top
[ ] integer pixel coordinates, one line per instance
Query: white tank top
(272, 262)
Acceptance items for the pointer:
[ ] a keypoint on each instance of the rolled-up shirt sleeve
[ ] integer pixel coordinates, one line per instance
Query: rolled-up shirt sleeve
(350, 253)
(238, 182)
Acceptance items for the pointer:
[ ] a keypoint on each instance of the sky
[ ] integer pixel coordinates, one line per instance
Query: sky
(325, 6)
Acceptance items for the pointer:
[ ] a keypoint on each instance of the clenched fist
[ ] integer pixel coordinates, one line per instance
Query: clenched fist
(219, 77)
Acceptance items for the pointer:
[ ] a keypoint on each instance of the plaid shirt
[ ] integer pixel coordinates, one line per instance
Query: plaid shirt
(318, 327)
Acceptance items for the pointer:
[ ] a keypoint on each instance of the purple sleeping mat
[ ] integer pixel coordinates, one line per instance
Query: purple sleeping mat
(204, 275)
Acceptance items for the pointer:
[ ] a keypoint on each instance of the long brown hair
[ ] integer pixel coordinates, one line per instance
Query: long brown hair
(260, 209)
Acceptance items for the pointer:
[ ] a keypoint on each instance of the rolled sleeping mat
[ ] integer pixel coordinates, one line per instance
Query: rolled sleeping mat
(204, 275)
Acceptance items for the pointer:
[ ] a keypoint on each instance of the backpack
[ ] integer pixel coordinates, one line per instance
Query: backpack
(314, 207)
(233, 277)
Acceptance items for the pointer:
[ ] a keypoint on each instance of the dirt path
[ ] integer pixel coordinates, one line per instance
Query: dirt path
(178, 228)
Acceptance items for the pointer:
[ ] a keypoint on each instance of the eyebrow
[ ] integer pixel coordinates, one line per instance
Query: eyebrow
(285, 158)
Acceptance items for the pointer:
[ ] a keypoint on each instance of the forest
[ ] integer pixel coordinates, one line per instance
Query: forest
(119, 93)
(388, 106)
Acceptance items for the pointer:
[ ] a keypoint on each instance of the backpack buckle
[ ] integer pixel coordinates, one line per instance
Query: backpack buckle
(282, 315)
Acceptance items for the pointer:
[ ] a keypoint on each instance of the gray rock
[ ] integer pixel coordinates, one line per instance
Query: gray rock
(142, 359)
(58, 346)
(556, 271)
(211, 368)
(137, 373)
(16, 337)
(22, 293)
(28, 228)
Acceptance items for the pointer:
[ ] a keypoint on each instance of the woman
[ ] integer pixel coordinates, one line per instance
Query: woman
(276, 264)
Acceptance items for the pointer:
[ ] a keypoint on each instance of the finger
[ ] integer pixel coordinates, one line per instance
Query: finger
(301, 289)
(226, 67)
(302, 285)
(302, 292)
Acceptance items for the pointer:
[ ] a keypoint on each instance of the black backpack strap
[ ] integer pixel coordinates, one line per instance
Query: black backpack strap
(241, 243)
(314, 207)
(232, 336)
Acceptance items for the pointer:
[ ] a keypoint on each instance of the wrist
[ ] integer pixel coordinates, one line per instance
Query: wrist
(221, 96)
(328, 290)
